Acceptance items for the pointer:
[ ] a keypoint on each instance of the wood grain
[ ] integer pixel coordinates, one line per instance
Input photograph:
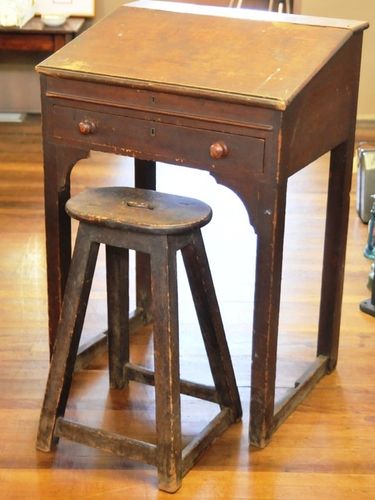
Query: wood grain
(159, 58)
(324, 449)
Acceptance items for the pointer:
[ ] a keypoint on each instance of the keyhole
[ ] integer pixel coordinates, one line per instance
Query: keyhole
(152, 132)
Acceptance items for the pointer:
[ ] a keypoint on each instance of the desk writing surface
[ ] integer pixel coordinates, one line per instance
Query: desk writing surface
(193, 48)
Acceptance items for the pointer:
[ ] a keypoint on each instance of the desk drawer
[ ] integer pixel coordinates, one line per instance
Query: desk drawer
(152, 139)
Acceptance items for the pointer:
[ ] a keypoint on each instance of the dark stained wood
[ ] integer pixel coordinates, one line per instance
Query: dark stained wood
(138, 210)
(275, 112)
(57, 174)
(314, 111)
(147, 136)
(144, 178)
(303, 386)
(207, 307)
(145, 376)
(115, 443)
(191, 453)
(67, 341)
(158, 224)
(270, 231)
(335, 250)
(117, 265)
(166, 363)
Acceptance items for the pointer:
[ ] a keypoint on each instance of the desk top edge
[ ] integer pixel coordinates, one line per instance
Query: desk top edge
(249, 14)
(256, 100)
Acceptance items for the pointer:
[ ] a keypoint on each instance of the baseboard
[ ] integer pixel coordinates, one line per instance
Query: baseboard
(12, 117)
(366, 121)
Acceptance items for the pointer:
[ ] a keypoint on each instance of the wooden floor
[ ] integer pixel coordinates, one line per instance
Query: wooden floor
(326, 449)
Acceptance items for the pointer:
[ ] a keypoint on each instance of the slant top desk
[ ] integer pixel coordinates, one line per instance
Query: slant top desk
(250, 96)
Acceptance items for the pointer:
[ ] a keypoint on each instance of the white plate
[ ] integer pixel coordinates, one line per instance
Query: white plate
(53, 19)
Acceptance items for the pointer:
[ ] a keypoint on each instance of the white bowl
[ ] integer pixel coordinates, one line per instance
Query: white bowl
(53, 19)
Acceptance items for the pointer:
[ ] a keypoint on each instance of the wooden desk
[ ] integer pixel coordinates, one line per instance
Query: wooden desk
(37, 37)
(233, 92)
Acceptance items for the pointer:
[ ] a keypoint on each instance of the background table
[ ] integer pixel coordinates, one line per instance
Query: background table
(35, 36)
(229, 91)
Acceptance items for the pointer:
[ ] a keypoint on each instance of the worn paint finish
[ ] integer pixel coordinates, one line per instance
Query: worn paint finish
(163, 224)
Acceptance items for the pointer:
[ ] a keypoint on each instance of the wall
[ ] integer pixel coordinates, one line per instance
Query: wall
(104, 7)
(362, 10)
(19, 83)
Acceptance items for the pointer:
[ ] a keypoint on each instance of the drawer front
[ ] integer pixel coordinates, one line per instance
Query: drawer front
(150, 139)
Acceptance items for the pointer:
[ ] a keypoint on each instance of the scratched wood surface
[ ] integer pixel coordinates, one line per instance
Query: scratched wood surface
(326, 448)
(186, 53)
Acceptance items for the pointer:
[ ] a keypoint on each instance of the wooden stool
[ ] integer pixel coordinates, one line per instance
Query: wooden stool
(160, 225)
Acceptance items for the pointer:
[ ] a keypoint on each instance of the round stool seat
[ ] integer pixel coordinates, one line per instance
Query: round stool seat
(138, 210)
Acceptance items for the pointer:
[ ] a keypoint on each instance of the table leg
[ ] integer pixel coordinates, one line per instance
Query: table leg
(270, 232)
(340, 177)
(265, 416)
(58, 162)
(144, 177)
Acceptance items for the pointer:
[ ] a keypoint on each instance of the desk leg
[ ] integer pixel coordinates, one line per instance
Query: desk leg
(265, 417)
(334, 251)
(270, 232)
(58, 163)
(144, 177)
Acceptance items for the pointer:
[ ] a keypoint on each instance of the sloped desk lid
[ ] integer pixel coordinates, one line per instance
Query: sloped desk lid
(242, 55)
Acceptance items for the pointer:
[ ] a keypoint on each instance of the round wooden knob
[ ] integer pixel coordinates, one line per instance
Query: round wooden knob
(218, 150)
(87, 127)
